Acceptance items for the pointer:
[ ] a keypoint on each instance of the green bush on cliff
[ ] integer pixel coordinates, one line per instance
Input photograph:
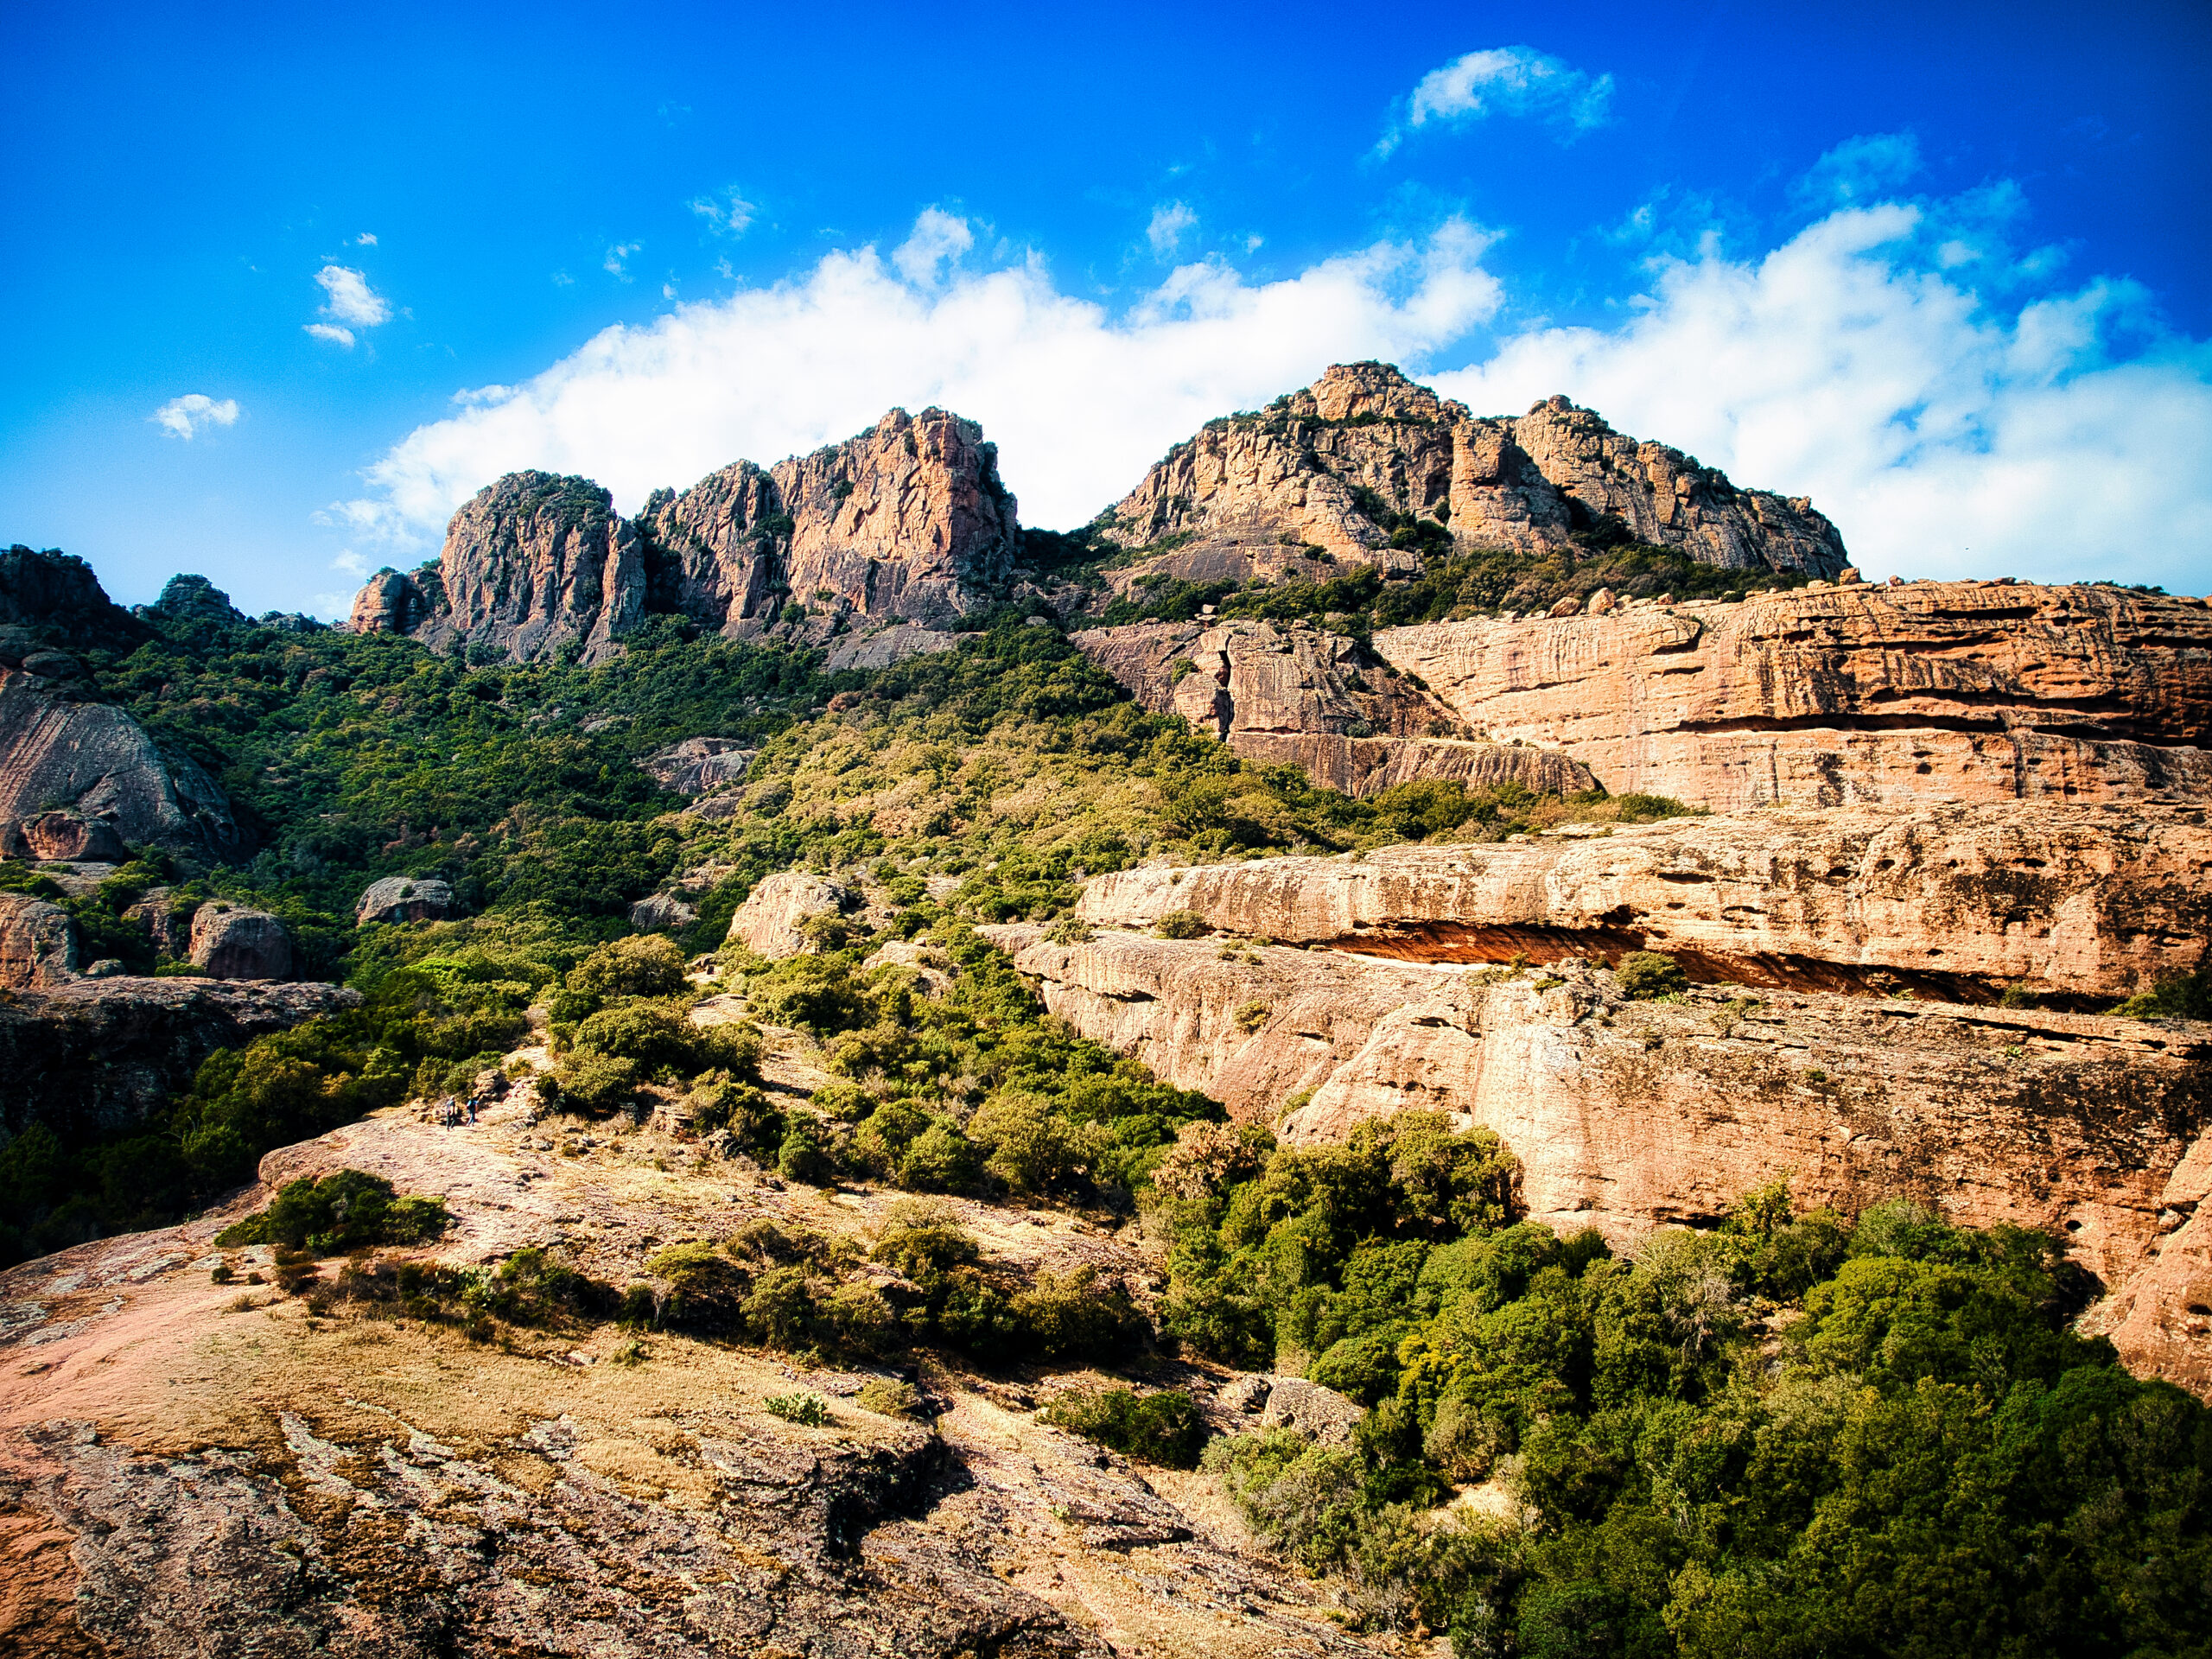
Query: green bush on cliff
(347, 1209)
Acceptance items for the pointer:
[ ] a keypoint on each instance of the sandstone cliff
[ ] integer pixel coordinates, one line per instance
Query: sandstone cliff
(1625, 1114)
(1343, 472)
(1295, 695)
(1929, 691)
(60, 747)
(2085, 903)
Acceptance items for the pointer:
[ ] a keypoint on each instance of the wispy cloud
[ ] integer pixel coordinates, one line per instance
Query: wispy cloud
(1169, 220)
(938, 236)
(180, 417)
(329, 335)
(726, 212)
(1869, 168)
(365, 239)
(618, 259)
(1511, 80)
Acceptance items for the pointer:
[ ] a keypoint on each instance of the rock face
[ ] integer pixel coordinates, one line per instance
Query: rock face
(233, 942)
(1930, 691)
(768, 922)
(1321, 477)
(402, 898)
(535, 562)
(99, 1057)
(69, 837)
(1296, 696)
(895, 643)
(56, 597)
(1625, 1114)
(700, 766)
(184, 597)
(2086, 903)
(39, 946)
(391, 603)
(60, 748)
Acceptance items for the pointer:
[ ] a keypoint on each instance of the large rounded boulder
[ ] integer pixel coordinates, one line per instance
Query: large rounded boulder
(405, 898)
(230, 942)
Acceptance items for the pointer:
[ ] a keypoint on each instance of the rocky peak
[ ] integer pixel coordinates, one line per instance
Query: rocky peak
(55, 596)
(196, 596)
(534, 562)
(715, 552)
(1366, 467)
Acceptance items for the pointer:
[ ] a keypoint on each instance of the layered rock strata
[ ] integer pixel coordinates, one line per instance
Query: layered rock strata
(1296, 696)
(2084, 903)
(1928, 691)
(59, 747)
(1626, 1115)
(1321, 477)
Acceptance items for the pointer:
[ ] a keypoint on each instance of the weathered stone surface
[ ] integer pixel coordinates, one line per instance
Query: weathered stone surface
(1323, 1413)
(1303, 486)
(662, 910)
(699, 765)
(69, 837)
(769, 920)
(167, 922)
(1625, 1114)
(716, 552)
(39, 944)
(1929, 691)
(406, 899)
(56, 597)
(100, 1057)
(2087, 902)
(1297, 695)
(880, 647)
(532, 563)
(59, 749)
(231, 941)
(190, 597)
(389, 603)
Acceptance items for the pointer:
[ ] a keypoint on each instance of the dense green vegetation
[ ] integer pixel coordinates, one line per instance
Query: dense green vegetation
(1794, 1435)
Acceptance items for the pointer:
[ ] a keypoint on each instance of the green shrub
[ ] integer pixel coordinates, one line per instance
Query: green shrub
(888, 1398)
(596, 1084)
(1163, 1429)
(1253, 1015)
(347, 1209)
(807, 1410)
(1180, 925)
(1645, 973)
(804, 1154)
(1073, 1316)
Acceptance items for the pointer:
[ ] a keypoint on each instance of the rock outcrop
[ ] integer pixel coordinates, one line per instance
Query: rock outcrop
(231, 941)
(771, 920)
(56, 598)
(532, 563)
(2084, 903)
(66, 837)
(1929, 691)
(404, 898)
(59, 747)
(390, 602)
(1625, 1114)
(100, 1057)
(700, 766)
(39, 946)
(1344, 471)
(187, 598)
(1296, 696)
(892, 643)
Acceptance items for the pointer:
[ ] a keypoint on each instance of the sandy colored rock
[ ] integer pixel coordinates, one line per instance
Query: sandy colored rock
(1305, 486)
(71, 837)
(402, 898)
(893, 643)
(1627, 1115)
(1930, 691)
(1322, 1414)
(699, 765)
(39, 946)
(231, 942)
(2092, 902)
(389, 603)
(1297, 695)
(768, 922)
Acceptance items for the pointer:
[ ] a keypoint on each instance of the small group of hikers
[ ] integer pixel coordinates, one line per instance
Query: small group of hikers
(453, 1110)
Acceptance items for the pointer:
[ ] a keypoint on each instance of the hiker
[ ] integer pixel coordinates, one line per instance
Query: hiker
(471, 1108)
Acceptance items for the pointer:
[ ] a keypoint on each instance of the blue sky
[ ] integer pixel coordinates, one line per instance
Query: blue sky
(284, 290)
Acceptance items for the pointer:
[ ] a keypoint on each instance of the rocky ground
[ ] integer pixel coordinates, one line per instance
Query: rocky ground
(189, 1467)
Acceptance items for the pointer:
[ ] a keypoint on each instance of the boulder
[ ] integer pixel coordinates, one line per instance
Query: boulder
(892, 643)
(662, 910)
(186, 597)
(231, 942)
(39, 946)
(768, 922)
(1933, 691)
(389, 603)
(70, 837)
(1321, 1413)
(166, 924)
(700, 766)
(401, 899)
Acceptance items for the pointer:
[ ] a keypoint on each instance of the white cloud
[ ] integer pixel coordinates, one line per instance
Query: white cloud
(365, 239)
(618, 257)
(351, 563)
(351, 298)
(1169, 220)
(1080, 401)
(1947, 429)
(1516, 80)
(180, 417)
(323, 331)
(726, 213)
(938, 237)
(1945, 434)
(1862, 169)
